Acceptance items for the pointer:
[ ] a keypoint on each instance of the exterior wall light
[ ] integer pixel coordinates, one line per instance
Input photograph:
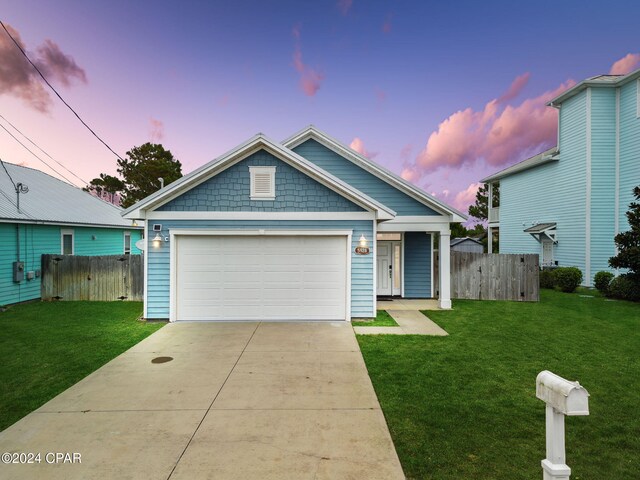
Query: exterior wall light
(363, 241)
(157, 240)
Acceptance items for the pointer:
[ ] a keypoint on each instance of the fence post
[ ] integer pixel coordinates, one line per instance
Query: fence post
(562, 397)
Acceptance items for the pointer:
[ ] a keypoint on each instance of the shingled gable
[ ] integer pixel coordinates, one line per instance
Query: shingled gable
(254, 144)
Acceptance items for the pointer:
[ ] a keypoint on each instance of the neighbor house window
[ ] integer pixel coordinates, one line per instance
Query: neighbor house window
(127, 243)
(263, 183)
(66, 241)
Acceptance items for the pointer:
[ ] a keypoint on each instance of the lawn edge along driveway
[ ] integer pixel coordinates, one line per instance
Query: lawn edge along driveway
(48, 346)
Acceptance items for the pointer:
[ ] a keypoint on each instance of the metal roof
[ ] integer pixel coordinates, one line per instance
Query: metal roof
(597, 81)
(50, 200)
(539, 159)
(540, 228)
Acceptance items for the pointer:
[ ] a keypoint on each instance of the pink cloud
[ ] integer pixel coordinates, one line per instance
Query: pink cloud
(344, 6)
(386, 25)
(310, 78)
(380, 94)
(626, 64)
(156, 130)
(498, 134)
(18, 78)
(516, 88)
(358, 145)
(466, 197)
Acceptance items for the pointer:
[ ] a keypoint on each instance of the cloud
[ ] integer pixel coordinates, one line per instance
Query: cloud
(466, 197)
(310, 78)
(156, 130)
(358, 145)
(380, 94)
(445, 192)
(19, 79)
(344, 6)
(387, 25)
(498, 134)
(626, 64)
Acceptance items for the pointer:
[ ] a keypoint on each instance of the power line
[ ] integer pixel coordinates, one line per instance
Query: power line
(31, 152)
(38, 147)
(56, 92)
(8, 174)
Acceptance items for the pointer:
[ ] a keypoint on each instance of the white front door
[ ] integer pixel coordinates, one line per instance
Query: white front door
(547, 252)
(384, 268)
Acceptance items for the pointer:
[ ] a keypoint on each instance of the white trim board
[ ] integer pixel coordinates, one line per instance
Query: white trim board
(587, 223)
(195, 215)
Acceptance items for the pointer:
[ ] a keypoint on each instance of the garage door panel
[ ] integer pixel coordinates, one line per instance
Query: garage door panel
(260, 277)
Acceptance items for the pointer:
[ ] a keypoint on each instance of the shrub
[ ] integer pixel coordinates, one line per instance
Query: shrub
(601, 281)
(567, 279)
(625, 287)
(547, 279)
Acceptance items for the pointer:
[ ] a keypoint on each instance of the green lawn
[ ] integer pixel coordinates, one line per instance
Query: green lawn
(464, 406)
(383, 319)
(47, 347)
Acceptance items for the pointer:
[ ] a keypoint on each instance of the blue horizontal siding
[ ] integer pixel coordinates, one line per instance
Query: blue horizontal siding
(417, 265)
(359, 178)
(36, 240)
(229, 191)
(362, 289)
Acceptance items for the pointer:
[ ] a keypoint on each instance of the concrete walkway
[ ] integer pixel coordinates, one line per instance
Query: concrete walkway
(410, 322)
(237, 401)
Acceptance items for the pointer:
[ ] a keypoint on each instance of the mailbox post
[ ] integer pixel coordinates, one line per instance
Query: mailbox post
(562, 397)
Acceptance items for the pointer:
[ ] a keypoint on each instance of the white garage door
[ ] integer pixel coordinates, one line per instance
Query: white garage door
(260, 278)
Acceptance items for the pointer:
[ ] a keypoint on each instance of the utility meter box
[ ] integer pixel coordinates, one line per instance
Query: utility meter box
(18, 271)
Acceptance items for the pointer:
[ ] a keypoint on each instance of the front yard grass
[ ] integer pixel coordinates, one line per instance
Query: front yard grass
(464, 406)
(47, 347)
(383, 319)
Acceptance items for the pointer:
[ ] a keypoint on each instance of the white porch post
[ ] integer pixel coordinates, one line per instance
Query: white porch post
(445, 267)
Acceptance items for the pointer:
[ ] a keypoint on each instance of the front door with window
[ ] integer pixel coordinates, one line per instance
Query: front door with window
(388, 268)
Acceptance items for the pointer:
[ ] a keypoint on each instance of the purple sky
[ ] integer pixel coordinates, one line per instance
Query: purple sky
(443, 93)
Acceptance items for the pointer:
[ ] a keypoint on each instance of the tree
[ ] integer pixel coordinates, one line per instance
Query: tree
(106, 184)
(480, 209)
(628, 242)
(139, 173)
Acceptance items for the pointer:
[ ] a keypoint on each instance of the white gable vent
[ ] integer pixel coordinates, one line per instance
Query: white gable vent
(263, 183)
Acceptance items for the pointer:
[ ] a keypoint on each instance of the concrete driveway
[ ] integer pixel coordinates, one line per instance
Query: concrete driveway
(237, 401)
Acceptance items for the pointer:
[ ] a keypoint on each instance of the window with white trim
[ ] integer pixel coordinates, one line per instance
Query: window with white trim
(263, 183)
(66, 242)
(127, 243)
(638, 98)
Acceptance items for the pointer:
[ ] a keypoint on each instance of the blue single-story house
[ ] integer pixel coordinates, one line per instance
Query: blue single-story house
(52, 217)
(306, 229)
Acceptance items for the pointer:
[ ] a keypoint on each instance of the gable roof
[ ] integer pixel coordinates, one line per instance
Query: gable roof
(539, 159)
(455, 241)
(53, 201)
(311, 132)
(597, 81)
(257, 142)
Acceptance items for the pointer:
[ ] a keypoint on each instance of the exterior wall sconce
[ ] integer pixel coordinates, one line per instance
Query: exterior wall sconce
(363, 246)
(157, 240)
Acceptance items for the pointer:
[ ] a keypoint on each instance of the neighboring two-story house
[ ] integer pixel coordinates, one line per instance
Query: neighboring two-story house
(568, 203)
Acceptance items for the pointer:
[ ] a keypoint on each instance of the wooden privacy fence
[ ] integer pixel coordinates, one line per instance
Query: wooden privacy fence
(106, 277)
(495, 276)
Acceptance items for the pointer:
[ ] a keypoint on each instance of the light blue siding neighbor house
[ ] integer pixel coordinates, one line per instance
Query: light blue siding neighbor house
(306, 229)
(56, 218)
(568, 203)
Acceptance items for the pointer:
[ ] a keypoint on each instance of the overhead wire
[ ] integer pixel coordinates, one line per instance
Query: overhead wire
(32, 153)
(56, 92)
(39, 148)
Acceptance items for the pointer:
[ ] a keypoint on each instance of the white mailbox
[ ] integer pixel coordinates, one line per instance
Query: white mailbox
(562, 397)
(565, 396)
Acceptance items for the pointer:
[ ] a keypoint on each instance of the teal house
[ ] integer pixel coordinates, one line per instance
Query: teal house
(304, 229)
(51, 216)
(567, 203)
